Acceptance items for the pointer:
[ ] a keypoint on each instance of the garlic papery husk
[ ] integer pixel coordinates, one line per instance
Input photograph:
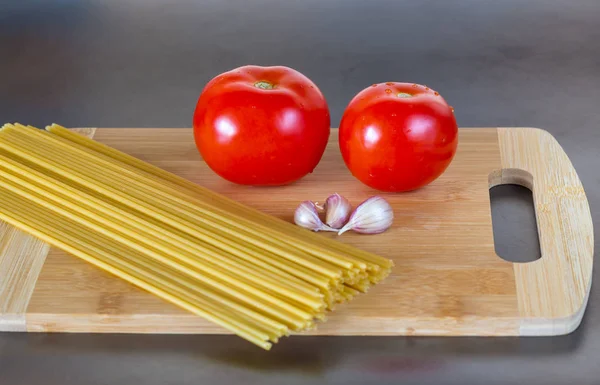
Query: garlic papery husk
(306, 216)
(373, 216)
(338, 211)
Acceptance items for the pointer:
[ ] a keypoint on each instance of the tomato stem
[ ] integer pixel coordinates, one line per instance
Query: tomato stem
(264, 85)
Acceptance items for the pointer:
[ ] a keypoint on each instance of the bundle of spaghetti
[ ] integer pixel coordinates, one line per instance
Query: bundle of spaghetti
(255, 275)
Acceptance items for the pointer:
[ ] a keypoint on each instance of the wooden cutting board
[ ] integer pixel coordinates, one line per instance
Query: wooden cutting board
(447, 281)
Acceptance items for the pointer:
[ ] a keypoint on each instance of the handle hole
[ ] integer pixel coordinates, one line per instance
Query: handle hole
(513, 219)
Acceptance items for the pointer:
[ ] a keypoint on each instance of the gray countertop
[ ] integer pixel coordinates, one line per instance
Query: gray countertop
(143, 64)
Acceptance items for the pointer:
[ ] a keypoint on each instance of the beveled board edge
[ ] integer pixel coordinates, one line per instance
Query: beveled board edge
(553, 291)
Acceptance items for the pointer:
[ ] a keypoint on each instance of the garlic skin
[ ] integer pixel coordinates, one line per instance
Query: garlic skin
(338, 211)
(373, 216)
(306, 216)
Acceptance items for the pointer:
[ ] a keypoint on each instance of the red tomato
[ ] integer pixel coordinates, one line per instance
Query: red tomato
(261, 125)
(398, 136)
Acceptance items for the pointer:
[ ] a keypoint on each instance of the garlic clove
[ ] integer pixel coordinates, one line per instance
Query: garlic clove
(306, 216)
(373, 216)
(338, 211)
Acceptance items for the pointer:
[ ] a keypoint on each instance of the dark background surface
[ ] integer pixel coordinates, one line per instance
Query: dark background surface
(143, 64)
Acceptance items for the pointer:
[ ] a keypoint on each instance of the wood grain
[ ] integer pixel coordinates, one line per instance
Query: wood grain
(553, 291)
(447, 280)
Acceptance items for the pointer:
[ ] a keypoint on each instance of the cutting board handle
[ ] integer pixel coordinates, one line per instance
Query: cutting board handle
(552, 292)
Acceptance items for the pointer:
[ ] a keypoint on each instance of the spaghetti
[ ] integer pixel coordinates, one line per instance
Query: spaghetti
(253, 274)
